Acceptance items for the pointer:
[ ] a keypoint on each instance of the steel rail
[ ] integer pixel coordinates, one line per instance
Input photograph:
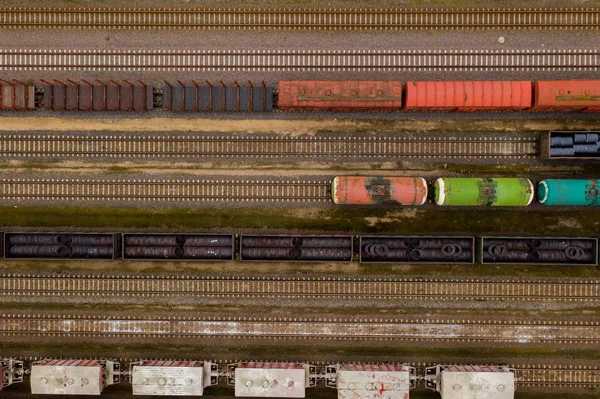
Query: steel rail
(289, 287)
(569, 332)
(201, 146)
(557, 376)
(163, 190)
(299, 60)
(306, 19)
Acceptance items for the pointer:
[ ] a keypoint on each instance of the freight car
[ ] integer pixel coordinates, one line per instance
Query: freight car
(67, 377)
(216, 247)
(73, 377)
(306, 95)
(172, 378)
(571, 192)
(417, 249)
(296, 248)
(566, 95)
(272, 379)
(538, 250)
(468, 96)
(357, 381)
(340, 96)
(61, 245)
(376, 190)
(571, 145)
(459, 382)
(370, 249)
(483, 192)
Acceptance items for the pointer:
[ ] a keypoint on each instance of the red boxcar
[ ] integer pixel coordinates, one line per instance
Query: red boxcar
(373, 190)
(340, 95)
(567, 95)
(468, 96)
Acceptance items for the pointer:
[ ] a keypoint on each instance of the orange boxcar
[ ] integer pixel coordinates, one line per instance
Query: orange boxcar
(567, 95)
(340, 95)
(373, 190)
(468, 96)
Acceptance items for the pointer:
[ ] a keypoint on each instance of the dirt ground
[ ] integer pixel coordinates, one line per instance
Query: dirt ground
(304, 126)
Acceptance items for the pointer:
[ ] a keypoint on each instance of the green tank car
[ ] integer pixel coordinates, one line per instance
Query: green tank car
(483, 191)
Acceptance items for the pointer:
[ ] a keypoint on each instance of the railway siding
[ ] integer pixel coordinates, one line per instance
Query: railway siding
(274, 287)
(577, 59)
(467, 331)
(305, 19)
(123, 146)
(163, 190)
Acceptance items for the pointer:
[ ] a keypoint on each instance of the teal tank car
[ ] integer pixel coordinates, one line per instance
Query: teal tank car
(569, 192)
(483, 191)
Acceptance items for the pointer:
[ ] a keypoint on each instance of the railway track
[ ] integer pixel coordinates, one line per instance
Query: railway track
(424, 330)
(163, 190)
(299, 60)
(557, 376)
(280, 287)
(213, 147)
(307, 19)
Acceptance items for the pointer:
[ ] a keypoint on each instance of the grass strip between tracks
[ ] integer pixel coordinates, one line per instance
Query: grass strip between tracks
(342, 220)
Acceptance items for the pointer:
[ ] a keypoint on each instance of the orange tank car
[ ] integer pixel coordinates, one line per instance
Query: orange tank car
(339, 95)
(374, 190)
(468, 96)
(567, 95)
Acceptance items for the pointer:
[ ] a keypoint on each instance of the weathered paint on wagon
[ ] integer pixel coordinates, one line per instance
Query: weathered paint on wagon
(569, 192)
(273, 380)
(471, 382)
(339, 95)
(73, 377)
(374, 190)
(384, 381)
(169, 378)
(483, 191)
(468, 96)
(567, 95)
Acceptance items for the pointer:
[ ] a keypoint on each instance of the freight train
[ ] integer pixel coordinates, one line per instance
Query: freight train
(300, 248)
(304, 95)
(460, 191)
(259, 379)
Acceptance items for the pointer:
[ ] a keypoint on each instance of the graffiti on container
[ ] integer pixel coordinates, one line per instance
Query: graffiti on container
(378, 189)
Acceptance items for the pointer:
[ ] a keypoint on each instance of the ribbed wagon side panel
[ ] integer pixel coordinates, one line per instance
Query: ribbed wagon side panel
(567, 95)
(468, 96)
(340, 95)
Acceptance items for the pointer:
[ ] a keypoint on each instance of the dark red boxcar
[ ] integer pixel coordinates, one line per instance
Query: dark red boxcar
(567, 95)
(340, 95)
(468, 96)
